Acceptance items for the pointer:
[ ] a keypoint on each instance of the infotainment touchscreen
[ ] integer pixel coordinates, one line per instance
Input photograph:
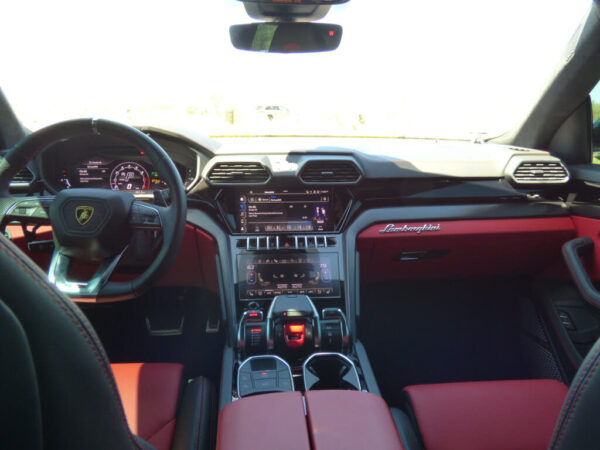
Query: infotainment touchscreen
(265, 276)
(283, 210)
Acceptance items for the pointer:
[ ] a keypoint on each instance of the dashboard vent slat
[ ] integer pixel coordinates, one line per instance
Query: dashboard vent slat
(542, 171)
(238, 172)
(329, 172)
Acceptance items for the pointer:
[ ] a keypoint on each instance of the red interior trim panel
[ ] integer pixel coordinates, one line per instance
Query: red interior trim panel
(495, 415)
(266, 422)
(195, 264)
(350, 420)
(446, 249)
(149, 393)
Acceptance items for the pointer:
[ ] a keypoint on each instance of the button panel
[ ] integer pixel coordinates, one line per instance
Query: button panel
(261, 374)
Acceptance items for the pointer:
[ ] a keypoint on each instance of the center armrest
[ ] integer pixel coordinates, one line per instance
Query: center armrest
(350, 420)
(267, 422)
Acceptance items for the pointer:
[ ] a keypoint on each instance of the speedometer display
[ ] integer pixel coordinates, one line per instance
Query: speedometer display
(129, 176)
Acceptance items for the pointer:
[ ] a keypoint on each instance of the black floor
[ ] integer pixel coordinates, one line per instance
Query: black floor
(442, 331)
(122, 329)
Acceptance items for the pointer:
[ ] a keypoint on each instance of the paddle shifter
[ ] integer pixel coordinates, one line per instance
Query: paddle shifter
(293, 327)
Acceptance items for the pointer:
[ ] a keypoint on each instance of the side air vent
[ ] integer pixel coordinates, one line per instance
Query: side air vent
(319, 171)
(541, 172)
(22, 178)
(238, 172)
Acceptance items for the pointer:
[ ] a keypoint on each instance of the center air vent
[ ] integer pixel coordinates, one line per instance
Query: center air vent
(238, 172)
(541, 172)
(319, 171)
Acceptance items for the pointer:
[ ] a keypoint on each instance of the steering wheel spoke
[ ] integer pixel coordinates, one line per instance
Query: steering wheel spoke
(59, 269)
(30, 210)
(147, 217)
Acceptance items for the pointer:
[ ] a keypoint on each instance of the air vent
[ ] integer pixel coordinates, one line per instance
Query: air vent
(329, 172)
(238, 172)
(285, 242)
(541, 172)
(23, 177)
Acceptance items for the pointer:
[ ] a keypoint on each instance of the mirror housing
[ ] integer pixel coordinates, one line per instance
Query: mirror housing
(286, 37)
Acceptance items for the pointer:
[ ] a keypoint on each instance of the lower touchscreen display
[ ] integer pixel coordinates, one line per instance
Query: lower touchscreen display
(265, 276)
(284, 210)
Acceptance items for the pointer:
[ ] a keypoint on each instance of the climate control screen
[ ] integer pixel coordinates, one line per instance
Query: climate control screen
(265, 276)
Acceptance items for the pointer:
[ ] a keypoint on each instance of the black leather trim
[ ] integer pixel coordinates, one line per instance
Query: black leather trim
(81, 407)
(196, 417)
(407, 407)
(572, 250)
(20, 412)
(406, 430)
(577, 425)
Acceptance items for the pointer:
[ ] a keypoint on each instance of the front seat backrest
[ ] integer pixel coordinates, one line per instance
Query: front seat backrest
(80, 404)
(577, 425)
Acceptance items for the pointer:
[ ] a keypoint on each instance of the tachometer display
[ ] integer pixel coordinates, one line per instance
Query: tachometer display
(129, 176)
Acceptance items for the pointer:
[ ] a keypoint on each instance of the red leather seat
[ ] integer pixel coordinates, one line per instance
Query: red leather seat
(149, 393)
(501, 415)
(59, 390)
(158, 408)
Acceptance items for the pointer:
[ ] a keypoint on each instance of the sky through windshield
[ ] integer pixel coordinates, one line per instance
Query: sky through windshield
(420, 69)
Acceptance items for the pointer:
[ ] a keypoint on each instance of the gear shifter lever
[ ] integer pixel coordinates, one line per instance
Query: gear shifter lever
(293, 325)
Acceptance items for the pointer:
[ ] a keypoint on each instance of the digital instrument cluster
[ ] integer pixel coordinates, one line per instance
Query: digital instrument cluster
(130, 173)
(102, 172)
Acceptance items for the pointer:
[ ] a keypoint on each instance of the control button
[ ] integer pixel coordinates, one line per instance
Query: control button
(285, 384)
(265, 385)
(566, 320)
(245, 377)
(255, 315)
(264, 375)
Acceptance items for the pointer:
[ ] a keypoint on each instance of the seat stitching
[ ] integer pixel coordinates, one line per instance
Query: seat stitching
(580, 389)
(61, 303)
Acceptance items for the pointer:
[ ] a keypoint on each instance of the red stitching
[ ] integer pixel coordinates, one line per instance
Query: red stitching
(86, 336)
(580, 390)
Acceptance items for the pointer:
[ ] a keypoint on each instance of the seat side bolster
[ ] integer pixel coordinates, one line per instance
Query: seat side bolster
(196, 416)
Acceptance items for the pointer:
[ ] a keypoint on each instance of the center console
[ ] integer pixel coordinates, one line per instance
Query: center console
(289, 278)
(293, 355)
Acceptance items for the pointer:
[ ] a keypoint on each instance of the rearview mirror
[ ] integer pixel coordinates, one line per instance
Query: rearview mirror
(297, 2)
(289, 37)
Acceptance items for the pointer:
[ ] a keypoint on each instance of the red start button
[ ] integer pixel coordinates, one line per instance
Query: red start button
(294, 334)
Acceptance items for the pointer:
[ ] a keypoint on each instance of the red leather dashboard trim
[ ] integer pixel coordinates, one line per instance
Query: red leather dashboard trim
(350, 420)
(464, 248)
(266, 422)
(195, 264)
(149, 393)
(488, 414)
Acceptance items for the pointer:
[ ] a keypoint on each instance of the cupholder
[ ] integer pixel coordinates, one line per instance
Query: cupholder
(330, 371)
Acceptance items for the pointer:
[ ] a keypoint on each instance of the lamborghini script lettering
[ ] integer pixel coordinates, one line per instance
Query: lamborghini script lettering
(391, 228)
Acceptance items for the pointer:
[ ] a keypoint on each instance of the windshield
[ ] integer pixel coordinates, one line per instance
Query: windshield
(444, 69)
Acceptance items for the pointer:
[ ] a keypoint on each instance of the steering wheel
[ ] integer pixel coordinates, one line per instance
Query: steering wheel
(96, 225)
